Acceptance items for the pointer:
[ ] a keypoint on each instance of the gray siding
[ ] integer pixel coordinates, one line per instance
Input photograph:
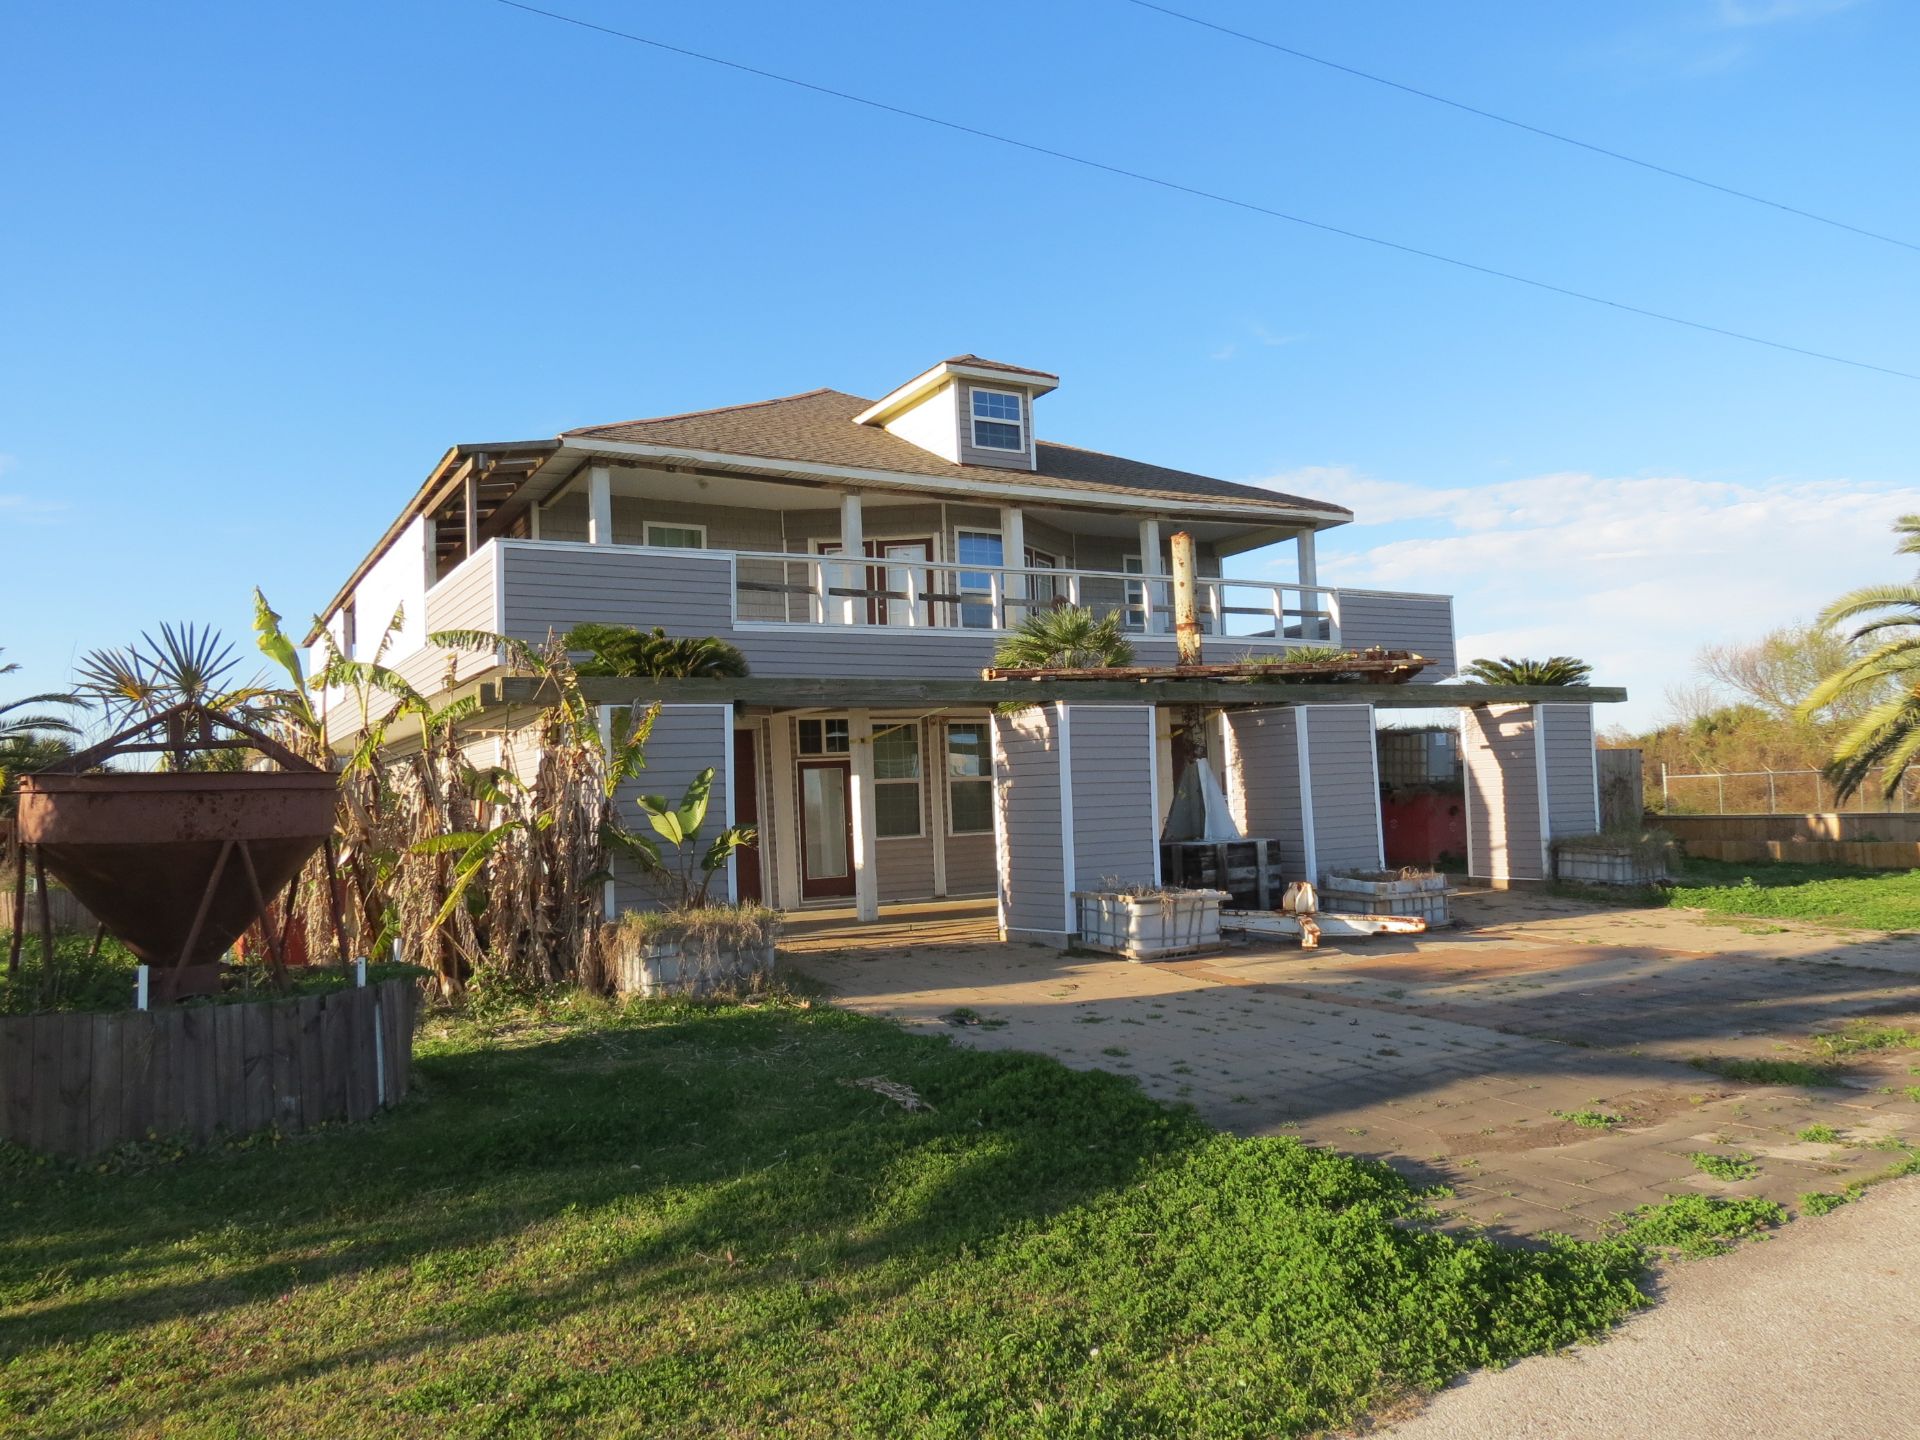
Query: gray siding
(1262, 780)
(1005, 459)
(1115, 831)
(970, 865)
(464, 600)
(554, 586)
(1571, 796)
(685, 740)
(1346, 798)
(1399, 622)
(1502, 792)
(551, 587)
(1026, 770)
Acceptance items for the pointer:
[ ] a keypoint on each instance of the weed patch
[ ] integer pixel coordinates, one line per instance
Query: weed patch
(1698, 1225)
(1822, 1202)
(1588, 1119)
(1770, 1072)
(1737, 1166)
(1819, 1135)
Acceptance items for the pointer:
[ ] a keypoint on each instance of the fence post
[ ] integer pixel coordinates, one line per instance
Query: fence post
(1770, 799)
(1666, 801)
(140, 987)
(1720, 782)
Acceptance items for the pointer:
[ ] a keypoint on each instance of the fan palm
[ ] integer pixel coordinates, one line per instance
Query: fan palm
(1066, 637)
(1886, 736)
(1554, 670)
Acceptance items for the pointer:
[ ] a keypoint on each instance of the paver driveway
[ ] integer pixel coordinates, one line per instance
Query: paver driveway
(1454, 1056)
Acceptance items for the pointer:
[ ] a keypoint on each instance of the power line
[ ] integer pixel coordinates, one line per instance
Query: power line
(1198, 193)
(1498, 119)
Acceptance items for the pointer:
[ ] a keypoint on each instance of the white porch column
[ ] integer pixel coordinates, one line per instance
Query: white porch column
(470, 507)
(599, 506)
(1310, 576)
(779, 804)
(1013, 550)
(853, 548)
(866, 873)
(1150, 564)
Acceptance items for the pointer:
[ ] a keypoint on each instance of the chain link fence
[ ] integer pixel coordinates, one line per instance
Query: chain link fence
(1781, 792)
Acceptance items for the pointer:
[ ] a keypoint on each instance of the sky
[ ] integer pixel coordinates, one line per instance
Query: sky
(260, 265)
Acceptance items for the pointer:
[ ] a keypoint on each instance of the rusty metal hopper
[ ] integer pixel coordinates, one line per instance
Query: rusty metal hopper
(142, 851)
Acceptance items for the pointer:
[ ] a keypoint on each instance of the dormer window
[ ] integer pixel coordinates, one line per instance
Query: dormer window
(997, 420)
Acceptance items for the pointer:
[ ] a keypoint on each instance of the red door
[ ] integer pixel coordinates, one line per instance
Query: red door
(826, 829)
(746, 809)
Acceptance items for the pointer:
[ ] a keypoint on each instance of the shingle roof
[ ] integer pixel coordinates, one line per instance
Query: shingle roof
(817, 428)
(977, 363)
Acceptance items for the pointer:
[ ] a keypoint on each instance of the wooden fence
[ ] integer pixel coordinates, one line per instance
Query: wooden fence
(1622, 798)
(68, 913)
(78, 1084)
(1872, 842)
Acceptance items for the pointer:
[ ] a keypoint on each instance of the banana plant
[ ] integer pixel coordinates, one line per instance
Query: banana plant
(680, 825)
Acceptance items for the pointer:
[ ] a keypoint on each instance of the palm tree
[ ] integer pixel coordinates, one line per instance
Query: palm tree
(1554, 670)
(15, 725)
(1886, 736)
(31, 739)
(1066, 637)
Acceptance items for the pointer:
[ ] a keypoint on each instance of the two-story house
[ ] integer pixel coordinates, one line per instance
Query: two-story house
(898, 539)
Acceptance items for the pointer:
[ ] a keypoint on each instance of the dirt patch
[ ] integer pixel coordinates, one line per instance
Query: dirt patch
(1637, 1109)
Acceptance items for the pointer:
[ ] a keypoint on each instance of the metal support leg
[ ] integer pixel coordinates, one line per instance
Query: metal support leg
(267, 929)
(19, 907)
(206, 901)
(47, 961)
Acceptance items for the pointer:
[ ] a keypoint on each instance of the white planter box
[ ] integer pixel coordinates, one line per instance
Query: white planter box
(1150, 927)
(1424, 897)
(692, 970)
(1607, 867)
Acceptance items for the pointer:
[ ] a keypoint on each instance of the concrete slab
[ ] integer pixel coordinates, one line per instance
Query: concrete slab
(1470, 1057)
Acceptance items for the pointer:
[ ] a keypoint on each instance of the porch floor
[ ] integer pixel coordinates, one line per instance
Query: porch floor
(914, 922)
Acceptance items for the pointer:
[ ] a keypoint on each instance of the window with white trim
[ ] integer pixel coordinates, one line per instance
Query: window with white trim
(998, 422)
(676, 537)
(969, 779)
(823, 737)
(1134, 617)
(978, 547)
(896, 781)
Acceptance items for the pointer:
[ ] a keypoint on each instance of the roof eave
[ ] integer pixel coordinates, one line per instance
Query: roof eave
(894, 401)
(1249, 511)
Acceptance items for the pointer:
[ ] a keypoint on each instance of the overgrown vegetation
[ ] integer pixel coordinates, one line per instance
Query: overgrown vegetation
(1589, 1119)
(746, 1235)
(1770, 1072)
(1554, 670)
(1819, 894)
(1864, 1037)
(1737, 1166)
(1698, 1225)
(1824, 1202)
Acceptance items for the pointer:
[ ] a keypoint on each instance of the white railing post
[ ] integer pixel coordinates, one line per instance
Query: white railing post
(853, 554)
(1330, 601)
(996, 592)
(1073, 588)
(817, 569)
(913, 596)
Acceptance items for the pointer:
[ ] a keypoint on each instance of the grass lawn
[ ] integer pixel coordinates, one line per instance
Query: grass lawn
(1826, 894)
(683, 1221)
(1834, 894)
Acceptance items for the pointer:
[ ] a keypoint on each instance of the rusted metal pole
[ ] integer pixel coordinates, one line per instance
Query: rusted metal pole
(1186, 616)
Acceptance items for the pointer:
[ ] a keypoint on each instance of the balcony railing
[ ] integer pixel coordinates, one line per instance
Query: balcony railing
(915, 593)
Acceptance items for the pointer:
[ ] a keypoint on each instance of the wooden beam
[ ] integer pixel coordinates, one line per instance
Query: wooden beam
(787, 693)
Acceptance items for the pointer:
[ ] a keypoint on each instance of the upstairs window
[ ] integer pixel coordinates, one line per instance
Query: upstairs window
(677, 537)
(997, 422)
